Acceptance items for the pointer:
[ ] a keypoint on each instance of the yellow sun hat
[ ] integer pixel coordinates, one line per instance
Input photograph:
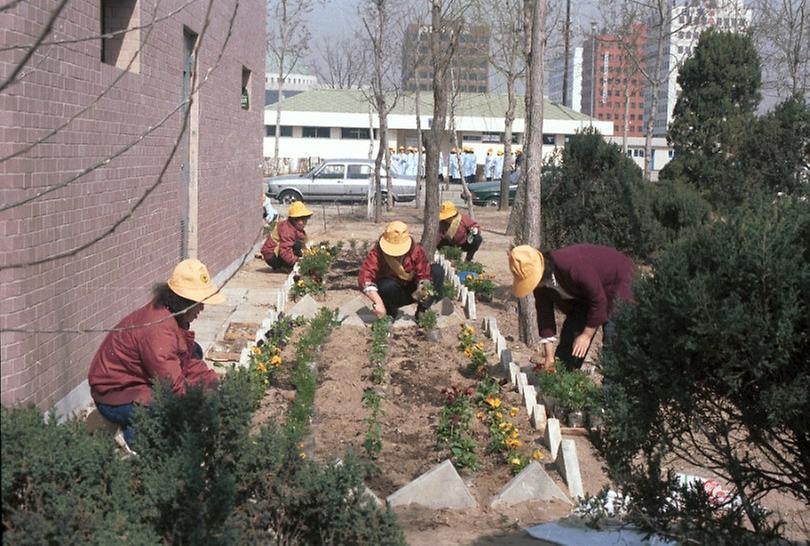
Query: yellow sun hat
(447, 210)
(500, 152)
(396, 240)
(527, 266)
(297, 210)
(190, 280)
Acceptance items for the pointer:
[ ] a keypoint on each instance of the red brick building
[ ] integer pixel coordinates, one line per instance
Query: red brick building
(120, 100)
(619, 87)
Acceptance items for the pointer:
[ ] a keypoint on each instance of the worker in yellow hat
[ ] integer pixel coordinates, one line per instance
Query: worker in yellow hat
(582, 281)
(497, 166)
(469, 164)
(458, 229)
(454, 167)
(397, 273)
(153, 343)
(489, 162)
(286, 242)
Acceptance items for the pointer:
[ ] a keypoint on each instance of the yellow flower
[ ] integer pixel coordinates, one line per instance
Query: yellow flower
(505, 425)
(468, 352)
(511, 442)
(276, 360)
(479, 346)
(494, 403)
(480, 415)
(537, 455)
(515, 461)
(515, 433)
(300, 283)
(513, 412)
(261, 367)
(498, 416)
(302, 455)
(256, 350)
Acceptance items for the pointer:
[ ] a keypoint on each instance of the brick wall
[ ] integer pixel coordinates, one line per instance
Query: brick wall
(96, 287)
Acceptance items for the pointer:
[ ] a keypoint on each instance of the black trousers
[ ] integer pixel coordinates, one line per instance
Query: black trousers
(396, 294)
(469, 247)
(575, 322)
(277, 263)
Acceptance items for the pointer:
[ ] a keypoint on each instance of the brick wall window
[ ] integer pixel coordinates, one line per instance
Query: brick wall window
(116, 17)
(245, 100)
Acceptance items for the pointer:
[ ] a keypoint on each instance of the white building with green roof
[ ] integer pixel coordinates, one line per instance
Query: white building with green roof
(334, 123)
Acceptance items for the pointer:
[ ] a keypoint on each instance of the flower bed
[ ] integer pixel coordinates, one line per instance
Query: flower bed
(569, 392)
(312, 269)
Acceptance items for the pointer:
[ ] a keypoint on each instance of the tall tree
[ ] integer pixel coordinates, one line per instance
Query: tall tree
(528, 233)
(342, 63)
(507, 58)
(376, 24)
(287, 45)
(445, 26)
(781, 30)
(714, 113)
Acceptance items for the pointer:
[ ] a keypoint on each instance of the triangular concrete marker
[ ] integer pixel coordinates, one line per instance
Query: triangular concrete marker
(305, 307)
(439, 487)
(353, 320)
(539, 418)
(463, 295)
(471, 312)
(530, 398)
(446, 307)
(352, 306)
(552, 437)
(568, 467)
(514, 372)
(533, 483)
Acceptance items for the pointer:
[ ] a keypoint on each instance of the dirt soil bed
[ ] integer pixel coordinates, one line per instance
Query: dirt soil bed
(416, 372)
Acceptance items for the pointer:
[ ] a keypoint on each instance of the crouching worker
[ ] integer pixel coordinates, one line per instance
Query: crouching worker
(287, 241)
(152, 343)
(584, 282)
(396, 273)
(458, 229)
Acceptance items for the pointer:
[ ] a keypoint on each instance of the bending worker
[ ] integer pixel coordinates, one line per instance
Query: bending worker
(151, 343)
(286, 242)
(458, 229)
(584, 282)
(396, 273)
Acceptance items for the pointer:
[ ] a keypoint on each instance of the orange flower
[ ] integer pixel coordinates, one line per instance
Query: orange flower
(262, 367)
(513, 412)
(515, 461)
(276, 360)
(256, 351)
(537, 455)
(494, 403)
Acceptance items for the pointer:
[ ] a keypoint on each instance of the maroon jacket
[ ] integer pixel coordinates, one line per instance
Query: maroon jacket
(375, 268)
(288, 235)
(464, 227)
(593, 275)
(128, 360)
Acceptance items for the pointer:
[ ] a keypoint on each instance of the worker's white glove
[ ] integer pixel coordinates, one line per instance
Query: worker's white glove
(471, 234)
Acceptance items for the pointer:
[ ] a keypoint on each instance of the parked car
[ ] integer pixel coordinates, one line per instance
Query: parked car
(337, 180)
(488, 194)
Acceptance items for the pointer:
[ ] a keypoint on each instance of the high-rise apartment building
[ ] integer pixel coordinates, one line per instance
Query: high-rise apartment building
(573, 96)
(685, 23)
(469, 69)
(612, 87)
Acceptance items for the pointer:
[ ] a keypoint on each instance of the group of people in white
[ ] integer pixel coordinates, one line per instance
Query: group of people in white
(463, 164)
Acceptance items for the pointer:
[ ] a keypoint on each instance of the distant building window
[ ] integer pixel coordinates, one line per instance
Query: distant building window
(331, 171)
(119, 50)
(549, 140)
(472, 138)
(359, 172)
(245, 101)
(354, 133)
(285, 130)
(316, 132)
(491, 137)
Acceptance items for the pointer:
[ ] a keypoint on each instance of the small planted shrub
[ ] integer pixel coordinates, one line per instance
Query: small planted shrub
(571, 391)
(372, 444)
(452, 253)
(482, 284)
(474, 350)
(454, 431)
(428, 320)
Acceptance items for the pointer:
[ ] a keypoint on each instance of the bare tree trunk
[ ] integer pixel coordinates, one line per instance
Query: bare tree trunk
(566, 100)
(430, 232)
(377, 168)
(655, 85)
(278, 123)
(419, 145)
(626, 128)
(529, 233)
(465, 190)
(508, 119)
(371, 132)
